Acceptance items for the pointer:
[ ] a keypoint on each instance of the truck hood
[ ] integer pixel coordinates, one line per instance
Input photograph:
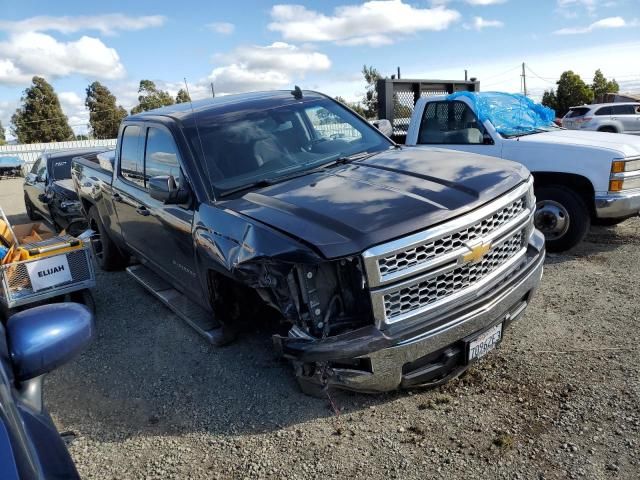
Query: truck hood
(346, 209)
(622, 145)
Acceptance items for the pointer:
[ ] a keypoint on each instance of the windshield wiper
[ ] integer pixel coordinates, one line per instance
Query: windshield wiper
(265, 182)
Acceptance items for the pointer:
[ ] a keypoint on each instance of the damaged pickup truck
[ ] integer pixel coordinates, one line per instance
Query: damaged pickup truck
(386, 266)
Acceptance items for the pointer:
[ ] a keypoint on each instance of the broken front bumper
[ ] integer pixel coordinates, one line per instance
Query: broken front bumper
(424, 353)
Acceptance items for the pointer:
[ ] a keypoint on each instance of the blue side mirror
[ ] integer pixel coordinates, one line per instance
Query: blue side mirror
(43, 338)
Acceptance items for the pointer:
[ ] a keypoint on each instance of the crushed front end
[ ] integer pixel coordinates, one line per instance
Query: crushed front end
(404, 313)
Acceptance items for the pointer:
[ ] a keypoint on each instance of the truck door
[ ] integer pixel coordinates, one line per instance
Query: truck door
(454, 125)
(160, 234)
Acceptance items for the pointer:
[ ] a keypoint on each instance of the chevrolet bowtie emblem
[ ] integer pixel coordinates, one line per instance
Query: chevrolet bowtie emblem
(477, 252)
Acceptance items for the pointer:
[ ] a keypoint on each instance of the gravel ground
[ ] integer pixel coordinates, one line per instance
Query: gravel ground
(559, 399)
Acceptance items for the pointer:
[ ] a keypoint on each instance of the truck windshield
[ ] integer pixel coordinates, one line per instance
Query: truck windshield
(248, 146)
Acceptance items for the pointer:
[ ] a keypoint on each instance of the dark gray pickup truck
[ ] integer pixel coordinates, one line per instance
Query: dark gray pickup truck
(385, 266)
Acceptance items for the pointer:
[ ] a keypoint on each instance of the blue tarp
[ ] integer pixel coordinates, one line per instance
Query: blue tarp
(509, 113)
(10, 162)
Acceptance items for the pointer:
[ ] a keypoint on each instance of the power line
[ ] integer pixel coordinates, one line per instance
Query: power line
(501, 74)
(544, 79)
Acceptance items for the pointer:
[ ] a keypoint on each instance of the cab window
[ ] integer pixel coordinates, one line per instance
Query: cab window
(450, 123)
(131, 166)
(161, 155)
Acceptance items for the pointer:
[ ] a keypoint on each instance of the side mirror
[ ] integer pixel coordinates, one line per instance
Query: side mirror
(487, 140)
(164, 189)
(30, 178)
(384, 126)
(43, 338)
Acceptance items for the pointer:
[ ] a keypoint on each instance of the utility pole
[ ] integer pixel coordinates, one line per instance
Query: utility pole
(524, 80)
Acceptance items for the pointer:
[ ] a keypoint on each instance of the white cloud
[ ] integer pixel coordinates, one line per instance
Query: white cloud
(590, 5)
(485, 2)
(479, 23)
(372, 23)
(264, 67)
(223, 28)
(73, 107)
(26, 54)
(610, 22)
(105, 24)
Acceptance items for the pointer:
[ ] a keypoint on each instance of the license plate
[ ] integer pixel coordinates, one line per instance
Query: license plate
(485, 342)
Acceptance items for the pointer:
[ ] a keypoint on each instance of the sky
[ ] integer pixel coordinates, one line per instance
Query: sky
(259, 45)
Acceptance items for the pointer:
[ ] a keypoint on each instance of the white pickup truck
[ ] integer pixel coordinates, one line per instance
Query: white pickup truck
(580, 177)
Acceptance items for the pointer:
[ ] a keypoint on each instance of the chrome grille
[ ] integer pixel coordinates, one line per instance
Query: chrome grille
(412, 257)
(436, 267)
(421, 294)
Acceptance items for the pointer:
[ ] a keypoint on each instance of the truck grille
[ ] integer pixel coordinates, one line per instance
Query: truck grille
(430, 269)
(421, 294)
(425, 252)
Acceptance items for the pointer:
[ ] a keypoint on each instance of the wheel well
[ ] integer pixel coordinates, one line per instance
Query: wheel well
(236, 304)
(579, 184)
(608, 128)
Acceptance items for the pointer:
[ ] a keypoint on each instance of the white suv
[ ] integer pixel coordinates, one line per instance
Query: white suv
(604, 117)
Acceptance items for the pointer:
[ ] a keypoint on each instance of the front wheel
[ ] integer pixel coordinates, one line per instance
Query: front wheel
(31, 213)
(106, 252)
(562, 216)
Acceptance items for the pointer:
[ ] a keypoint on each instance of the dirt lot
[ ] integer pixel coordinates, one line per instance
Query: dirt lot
(559, 399)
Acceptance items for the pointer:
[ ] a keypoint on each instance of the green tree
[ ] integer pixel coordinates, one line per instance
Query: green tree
(571, 91)
(602, 86)
(356, 107)
(370, 103)
(150, 97)
(104, 115)
(40, 117)
(182, 96)
(3, 139)
(549, 99)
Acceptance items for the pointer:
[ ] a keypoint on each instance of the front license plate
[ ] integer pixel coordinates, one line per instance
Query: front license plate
(485, 342)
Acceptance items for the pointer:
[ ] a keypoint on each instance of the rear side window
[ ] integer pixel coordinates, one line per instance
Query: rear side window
(161, 155)
(61, 168)
(604, 111)
(131, 166)
(577, 112)
(450, 123)
(623, 110)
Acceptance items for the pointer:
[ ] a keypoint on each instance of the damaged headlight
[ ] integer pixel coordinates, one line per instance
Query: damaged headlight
(70, 205)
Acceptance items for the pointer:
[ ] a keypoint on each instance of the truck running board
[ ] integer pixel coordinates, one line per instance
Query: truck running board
(197, 317)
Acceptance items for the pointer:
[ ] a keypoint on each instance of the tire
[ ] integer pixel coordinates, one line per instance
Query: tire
(31, 213)
(107, 255)
(84, 297)
(563, 217)
(608, 129)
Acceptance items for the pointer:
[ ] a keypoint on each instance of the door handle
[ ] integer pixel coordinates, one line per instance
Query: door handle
(143, 211)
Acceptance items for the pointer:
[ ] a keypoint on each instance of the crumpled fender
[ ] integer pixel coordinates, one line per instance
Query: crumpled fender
(247, 251)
